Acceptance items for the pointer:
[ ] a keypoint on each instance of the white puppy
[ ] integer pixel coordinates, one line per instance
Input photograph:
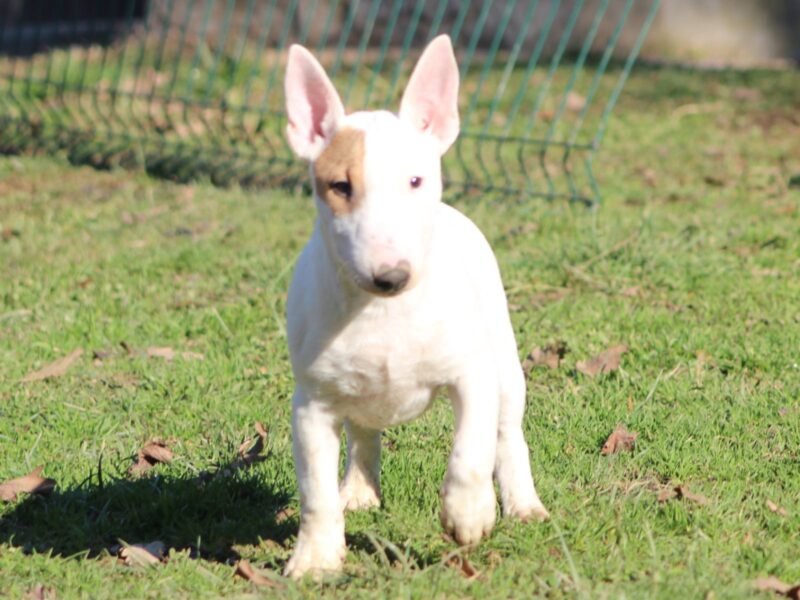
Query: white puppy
(395, 296)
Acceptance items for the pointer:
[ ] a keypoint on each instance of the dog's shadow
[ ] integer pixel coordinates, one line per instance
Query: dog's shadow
(207, 518)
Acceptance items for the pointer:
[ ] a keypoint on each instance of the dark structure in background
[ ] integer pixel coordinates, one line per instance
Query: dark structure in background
(30, 26)
(704, 32)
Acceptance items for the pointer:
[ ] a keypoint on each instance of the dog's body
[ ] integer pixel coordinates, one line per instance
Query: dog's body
(395, 296)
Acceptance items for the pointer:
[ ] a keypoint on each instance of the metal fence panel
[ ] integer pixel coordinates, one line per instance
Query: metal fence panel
(191, 88)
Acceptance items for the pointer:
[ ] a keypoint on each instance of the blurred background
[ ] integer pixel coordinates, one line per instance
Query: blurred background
(187, 88)
(712, 33)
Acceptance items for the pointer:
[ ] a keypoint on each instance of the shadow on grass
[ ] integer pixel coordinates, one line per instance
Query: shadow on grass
(206, 518)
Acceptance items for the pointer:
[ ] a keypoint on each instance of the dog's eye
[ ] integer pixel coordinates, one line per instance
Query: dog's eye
(415, 182)
(342, 188)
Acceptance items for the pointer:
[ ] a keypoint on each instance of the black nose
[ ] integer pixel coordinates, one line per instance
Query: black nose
(391, 279)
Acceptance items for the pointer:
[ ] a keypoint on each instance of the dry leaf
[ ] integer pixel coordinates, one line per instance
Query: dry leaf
(549, 296)
(777, 509)
(101, 354)
(165, 352)
(284, 514)
(54, 369)
(619, 440)
(682, 492)
(667, 494)
(773, 584)
(463, 565)
(192, 356)
(714, 180)
(575, 101)
(143, 555)
(605, 362)
(253, 454)
(32, 483)
(154, 452)
(7, 233)
(546, 115)
(246, 456)
(632, 292)
(244, 569)
(40, 592)
(550, 356)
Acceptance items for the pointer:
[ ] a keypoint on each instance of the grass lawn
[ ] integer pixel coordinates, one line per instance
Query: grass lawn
(693, 262)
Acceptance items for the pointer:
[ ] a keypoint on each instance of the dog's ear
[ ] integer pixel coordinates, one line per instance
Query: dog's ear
(312, 104)
(430, 102)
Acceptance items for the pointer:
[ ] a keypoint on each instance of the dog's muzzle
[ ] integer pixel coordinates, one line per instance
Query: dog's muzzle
(390, 280)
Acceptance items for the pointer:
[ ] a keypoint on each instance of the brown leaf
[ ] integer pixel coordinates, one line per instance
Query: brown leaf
(143, 555)
(547, 115)
(463, 565)
(667, 494)
(7, 233)
(253, 454)
(165, 352)
(32, 483)
(40, 592)
(284, 514)
(549, 296)
(684, 493)
(777, 509)
(619, 440)
(714, 180)
(575, 102)
(632, 292)
(246, 456)
(605, 362)
(550, 356)
(101, 354)
(152, 453)
(681, 492)
(244, 569)
(773, 584)
(54, 369)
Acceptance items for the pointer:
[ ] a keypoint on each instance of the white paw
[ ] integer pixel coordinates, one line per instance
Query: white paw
(526, 512)
(468, 512)
(315, 556)
(358, 494)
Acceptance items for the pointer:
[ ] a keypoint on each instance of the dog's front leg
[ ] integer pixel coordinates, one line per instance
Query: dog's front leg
(320, 543)
(468, 499)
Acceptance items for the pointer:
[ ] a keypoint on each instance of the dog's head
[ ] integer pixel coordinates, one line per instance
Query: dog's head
(376, 175)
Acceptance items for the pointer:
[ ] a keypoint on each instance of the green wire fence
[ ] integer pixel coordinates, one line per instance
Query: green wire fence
(190, 88)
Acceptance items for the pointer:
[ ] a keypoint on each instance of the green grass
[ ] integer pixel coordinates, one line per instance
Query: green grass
(698, 217)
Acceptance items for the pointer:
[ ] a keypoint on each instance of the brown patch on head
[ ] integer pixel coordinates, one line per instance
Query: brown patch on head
(339, 167)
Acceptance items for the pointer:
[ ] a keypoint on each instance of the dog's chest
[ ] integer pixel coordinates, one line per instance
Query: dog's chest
(380, 372)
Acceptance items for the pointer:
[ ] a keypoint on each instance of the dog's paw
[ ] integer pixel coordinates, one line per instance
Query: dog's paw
(468, 512)
(314, 559)
(358, 494)
(527, 512)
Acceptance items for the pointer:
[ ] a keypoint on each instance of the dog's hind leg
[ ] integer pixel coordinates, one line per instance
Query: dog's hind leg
(512, 464)
(360, 487)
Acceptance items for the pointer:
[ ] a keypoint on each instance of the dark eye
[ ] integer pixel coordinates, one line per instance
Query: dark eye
(415, 182)
(342, 188)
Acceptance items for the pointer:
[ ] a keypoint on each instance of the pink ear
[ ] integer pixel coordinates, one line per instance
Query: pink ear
(312, 104)
(430, 102)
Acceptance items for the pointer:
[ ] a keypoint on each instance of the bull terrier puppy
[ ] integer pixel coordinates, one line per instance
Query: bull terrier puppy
(395, 296)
